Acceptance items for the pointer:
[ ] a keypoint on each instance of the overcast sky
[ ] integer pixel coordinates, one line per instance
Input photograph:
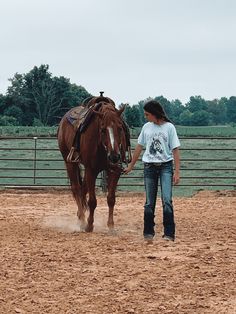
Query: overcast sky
(131, 49)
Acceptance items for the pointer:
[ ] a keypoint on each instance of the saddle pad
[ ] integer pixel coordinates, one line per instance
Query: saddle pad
(80, 116)
(77, 115)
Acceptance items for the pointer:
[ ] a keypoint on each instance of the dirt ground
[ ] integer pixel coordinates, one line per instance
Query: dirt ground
(48, 266)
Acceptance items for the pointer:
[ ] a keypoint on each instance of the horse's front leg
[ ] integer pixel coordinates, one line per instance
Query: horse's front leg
(112, 181)
(90, 178)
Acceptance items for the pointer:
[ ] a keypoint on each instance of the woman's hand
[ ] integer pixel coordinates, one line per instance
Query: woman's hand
(137, 152)
(176, 178)
(128, 169)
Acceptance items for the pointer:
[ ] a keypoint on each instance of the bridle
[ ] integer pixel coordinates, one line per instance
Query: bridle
(108, 132)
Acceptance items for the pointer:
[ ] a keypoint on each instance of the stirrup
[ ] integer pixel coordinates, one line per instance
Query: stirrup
(71, 155)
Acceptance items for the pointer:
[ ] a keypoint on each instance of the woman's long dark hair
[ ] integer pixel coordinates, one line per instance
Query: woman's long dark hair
(155, 108)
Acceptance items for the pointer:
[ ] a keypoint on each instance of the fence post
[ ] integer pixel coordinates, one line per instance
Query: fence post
(35, 157)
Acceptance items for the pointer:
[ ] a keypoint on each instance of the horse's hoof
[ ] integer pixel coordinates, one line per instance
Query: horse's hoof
(82, 226)
(89, 228)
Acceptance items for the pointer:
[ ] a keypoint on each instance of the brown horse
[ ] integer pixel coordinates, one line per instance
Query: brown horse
(103, 146)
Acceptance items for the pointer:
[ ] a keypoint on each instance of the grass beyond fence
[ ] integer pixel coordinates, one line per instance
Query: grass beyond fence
(184, 131)
(205, 164)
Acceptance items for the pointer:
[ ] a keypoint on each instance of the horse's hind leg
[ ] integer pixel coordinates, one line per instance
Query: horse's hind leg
(76, 188)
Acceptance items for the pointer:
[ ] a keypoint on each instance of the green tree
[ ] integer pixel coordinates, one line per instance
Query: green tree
(165, 103)
(132, 116)
(140, 106)
(185, 117)
(176, 111)
(231, 109)
(43, 97)
(14, 111)
(200, 117)
(7, 121)
(173, 109)
(196, 103)
(4, 101)
(217, 110)
(77, 94)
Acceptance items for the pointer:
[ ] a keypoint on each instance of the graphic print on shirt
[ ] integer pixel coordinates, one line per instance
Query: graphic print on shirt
(155, 147)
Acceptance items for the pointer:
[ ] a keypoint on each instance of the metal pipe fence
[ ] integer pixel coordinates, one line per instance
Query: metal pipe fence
(37, 162)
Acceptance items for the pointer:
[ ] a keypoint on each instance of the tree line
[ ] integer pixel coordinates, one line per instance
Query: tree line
(38, 98)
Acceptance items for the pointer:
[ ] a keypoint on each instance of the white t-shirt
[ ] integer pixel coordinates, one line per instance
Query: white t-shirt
(159, 141)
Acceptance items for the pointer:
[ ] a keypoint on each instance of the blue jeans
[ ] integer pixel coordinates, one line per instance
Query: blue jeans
(152, 174)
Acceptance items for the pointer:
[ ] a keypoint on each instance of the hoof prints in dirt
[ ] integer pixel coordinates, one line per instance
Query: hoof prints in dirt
(49, 266)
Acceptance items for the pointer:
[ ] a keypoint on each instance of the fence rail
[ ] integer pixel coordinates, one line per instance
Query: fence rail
(36, 161)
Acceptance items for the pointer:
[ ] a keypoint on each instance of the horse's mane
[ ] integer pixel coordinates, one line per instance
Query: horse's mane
(109, 112)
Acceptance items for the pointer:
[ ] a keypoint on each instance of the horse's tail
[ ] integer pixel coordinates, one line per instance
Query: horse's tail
(81, 188)
(65, 137)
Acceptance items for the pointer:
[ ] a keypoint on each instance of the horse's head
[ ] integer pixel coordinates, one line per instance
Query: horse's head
(112, 136)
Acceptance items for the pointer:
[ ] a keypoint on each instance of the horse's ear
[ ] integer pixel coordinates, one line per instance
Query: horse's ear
(121, 110)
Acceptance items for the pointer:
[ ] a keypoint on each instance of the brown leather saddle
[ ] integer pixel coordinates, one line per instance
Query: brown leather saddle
(80, 116)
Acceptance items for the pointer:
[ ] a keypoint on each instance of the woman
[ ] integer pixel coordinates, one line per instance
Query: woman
(160, 139)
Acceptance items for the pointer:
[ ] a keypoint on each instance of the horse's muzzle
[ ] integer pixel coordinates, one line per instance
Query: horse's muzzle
(114, 158)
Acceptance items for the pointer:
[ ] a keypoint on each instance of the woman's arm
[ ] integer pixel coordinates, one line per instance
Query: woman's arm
(176, 155)
(136, 154)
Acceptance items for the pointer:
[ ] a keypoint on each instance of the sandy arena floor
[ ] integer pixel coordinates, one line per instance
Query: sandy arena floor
(48, 266)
